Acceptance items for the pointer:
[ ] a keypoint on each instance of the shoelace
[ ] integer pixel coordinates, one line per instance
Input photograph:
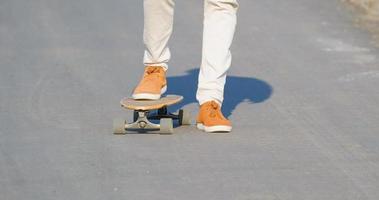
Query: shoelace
(152, 72)
(213, 109)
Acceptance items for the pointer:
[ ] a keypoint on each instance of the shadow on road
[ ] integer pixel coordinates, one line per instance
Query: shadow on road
(237, 90)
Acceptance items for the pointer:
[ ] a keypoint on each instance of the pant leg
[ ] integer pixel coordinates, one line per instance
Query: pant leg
(158, 23)
(220, 20)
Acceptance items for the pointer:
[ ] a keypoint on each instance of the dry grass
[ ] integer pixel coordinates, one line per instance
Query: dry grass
(368, 15)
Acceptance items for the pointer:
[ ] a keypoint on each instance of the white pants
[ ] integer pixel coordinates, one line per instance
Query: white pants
(219, 26)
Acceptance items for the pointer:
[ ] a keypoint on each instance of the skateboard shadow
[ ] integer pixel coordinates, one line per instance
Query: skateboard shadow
(237, 90)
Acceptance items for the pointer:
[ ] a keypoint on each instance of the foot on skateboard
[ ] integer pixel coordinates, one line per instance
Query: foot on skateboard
(152, 85)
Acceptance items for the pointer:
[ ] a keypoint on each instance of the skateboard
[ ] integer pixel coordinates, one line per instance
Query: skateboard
(146, 110)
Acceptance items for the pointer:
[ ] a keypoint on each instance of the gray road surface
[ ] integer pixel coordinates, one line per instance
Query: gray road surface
(302, 95)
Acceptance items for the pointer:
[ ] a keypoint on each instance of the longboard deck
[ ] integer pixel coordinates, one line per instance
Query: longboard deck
(132, 104)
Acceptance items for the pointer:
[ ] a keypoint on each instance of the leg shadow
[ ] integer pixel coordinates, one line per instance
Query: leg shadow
(237, 90)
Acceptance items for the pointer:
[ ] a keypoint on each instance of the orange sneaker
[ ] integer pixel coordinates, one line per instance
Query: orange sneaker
(211, 119)
(152, 85)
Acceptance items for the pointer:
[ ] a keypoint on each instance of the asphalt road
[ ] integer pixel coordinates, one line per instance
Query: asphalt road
(302, 95)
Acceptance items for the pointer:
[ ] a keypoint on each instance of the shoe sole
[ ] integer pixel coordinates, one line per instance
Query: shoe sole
(214, 129)
(149, 96)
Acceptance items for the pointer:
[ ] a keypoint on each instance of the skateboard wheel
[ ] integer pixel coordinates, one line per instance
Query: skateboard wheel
(166, 126)
(184, 117)
(119, 126)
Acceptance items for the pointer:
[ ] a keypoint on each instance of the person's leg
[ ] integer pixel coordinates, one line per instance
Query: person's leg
(158, 23)
(219, 26)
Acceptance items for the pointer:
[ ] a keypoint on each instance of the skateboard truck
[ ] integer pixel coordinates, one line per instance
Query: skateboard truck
(142, 122)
